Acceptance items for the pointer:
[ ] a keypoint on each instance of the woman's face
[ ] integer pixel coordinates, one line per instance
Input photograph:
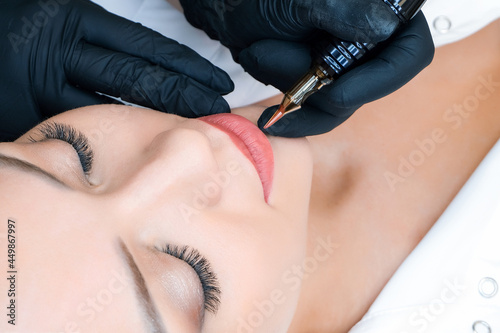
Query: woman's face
(170, 229)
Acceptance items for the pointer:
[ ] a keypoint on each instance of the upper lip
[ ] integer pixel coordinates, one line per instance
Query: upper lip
(251, 142)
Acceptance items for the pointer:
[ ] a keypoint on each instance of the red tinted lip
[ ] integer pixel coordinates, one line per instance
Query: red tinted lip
(250, 141)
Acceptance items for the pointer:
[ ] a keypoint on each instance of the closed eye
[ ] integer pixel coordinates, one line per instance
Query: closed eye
(202, 268)
(66, 133)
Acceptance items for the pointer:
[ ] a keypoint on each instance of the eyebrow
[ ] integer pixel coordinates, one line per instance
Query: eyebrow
(153, 321)
(13, 162)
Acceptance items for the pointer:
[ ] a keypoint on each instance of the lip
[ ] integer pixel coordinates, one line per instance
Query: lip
(249, 139)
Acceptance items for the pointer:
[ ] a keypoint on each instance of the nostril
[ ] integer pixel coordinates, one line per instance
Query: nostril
(184, 158)
(173, 166)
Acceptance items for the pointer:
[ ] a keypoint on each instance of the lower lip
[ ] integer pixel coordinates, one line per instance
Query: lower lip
(250, 141)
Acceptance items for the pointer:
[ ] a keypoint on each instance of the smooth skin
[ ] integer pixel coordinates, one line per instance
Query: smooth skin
(68, 252)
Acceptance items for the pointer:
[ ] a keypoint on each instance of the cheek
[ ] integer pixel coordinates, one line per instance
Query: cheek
(256, 266)
(63, 258)
(272, 290)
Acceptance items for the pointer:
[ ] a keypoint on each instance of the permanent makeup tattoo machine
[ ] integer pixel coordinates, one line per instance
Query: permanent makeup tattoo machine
(332, 57)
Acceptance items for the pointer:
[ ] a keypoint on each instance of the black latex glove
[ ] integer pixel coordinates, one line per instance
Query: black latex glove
(55, 54)
(269, 38)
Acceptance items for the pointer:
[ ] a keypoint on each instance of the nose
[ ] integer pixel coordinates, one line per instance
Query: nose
(170, 167)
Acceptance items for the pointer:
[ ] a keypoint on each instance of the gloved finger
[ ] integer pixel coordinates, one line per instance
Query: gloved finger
(73, 98)
(306, 121)
(396, 64)
(355, 20)
(102, 29)
(138, 81)
(276, 62)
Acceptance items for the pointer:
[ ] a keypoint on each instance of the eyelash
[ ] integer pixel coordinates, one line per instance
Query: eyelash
(201, 266)
(72, 136)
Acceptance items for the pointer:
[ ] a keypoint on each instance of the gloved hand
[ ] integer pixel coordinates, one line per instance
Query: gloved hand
(55, 54)
(269, 38)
